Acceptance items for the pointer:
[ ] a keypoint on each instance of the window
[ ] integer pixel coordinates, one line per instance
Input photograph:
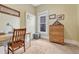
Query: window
(43, 23)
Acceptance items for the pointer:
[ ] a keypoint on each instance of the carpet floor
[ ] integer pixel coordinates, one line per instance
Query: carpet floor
(41, 46)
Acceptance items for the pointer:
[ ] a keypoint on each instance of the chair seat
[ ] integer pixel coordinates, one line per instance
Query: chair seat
(16, 44)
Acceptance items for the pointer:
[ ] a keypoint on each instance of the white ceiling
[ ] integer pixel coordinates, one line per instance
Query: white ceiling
(35, 5)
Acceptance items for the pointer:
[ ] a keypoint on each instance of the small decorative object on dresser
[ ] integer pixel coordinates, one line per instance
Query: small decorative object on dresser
(56, 32)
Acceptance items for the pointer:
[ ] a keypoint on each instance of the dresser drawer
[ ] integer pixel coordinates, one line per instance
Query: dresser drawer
(58, 27)
(56, 33)
(57, 39)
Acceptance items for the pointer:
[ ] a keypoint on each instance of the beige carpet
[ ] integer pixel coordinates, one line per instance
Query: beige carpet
(45, 47)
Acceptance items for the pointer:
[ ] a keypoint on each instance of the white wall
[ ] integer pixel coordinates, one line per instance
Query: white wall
(5, 18)
(23, 8)
(70, 19)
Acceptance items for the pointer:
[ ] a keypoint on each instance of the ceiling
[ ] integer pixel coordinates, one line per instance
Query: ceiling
(35, 5)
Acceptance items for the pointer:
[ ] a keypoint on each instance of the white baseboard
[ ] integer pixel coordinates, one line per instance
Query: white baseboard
(45, 37)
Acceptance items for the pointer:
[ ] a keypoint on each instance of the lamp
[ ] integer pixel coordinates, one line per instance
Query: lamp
(8, 24)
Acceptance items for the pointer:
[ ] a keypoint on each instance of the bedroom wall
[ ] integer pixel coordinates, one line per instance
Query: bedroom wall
(78, 21)
(12, 20)
(23, 8)
(70, 20)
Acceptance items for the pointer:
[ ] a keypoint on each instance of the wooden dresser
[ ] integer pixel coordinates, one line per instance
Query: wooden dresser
(56, 32)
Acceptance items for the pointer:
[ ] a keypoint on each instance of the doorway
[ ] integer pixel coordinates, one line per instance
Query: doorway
(30, 24)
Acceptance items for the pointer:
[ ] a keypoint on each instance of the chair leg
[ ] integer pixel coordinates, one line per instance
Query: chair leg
(8, 49)
(24, 48)
(12, 52)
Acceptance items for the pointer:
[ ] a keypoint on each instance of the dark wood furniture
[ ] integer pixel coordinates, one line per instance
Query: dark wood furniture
(18, 40)
(56, 33)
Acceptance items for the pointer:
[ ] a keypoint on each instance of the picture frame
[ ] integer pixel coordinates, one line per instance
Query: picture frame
(9, 11)
(52, 16)
(60, 17)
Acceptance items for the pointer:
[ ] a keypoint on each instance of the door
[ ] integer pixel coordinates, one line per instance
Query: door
(30, 24)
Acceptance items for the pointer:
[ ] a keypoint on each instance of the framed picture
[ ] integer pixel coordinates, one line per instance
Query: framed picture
(60, 17)
(9, 11)
(53, 16)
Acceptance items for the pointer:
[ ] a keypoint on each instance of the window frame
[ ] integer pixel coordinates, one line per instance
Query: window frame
(42, 23)
(44, 13)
